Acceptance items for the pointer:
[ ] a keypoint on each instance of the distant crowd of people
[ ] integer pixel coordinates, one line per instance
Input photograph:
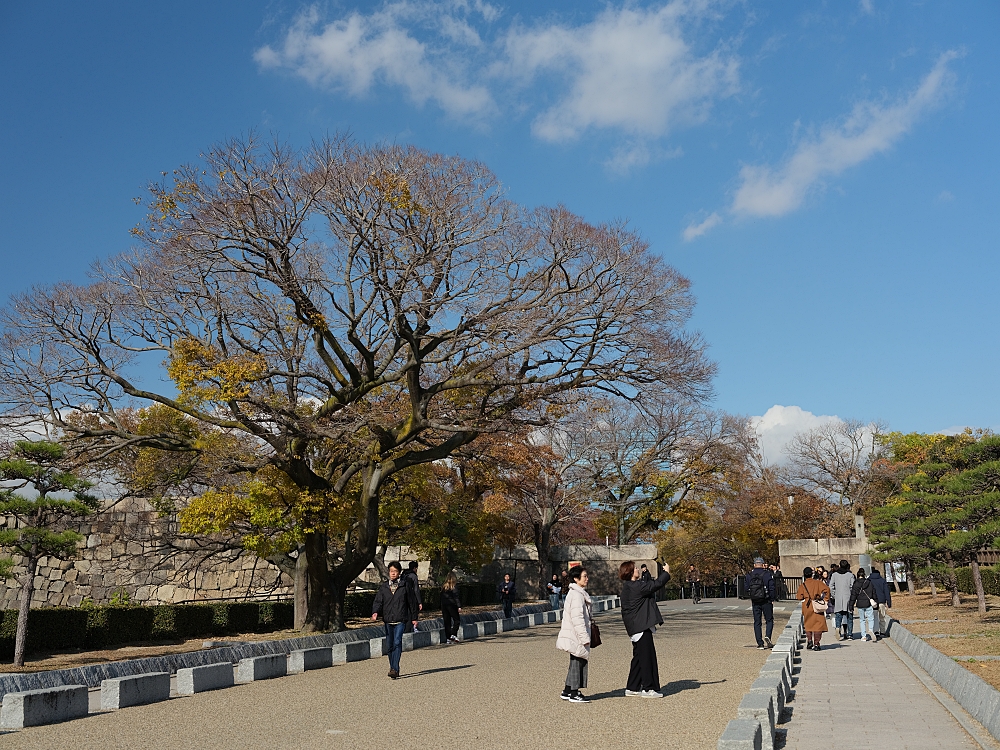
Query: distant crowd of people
(835, 594)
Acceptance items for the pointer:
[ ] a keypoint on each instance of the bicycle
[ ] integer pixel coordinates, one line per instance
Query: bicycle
(695, 592)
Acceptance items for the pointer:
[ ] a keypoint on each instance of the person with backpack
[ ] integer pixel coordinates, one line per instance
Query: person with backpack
(884, 596)
(815, 596)
(863, 596)
(761, 590)
(397, 603)
(841, 584)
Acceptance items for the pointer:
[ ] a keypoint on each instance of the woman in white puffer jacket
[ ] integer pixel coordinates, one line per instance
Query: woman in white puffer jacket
(574, 635)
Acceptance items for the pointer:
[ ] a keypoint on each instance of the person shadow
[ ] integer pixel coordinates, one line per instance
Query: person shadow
(434, 671)
(671, 688)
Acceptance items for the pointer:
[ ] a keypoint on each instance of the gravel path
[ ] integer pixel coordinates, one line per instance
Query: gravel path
(491, 692)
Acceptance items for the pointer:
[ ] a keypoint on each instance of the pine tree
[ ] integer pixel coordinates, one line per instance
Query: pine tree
(38, 525)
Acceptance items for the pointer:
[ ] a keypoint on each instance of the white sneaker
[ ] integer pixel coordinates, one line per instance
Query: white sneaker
(633, 693)
(651, 694)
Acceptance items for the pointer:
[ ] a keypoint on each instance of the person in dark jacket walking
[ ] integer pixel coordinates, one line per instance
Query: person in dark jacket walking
(412, 579)
(641, 616)
(864, 598)
(761, 590)
(451, 608)
(883, 594)
(397, 604)
(506, 592)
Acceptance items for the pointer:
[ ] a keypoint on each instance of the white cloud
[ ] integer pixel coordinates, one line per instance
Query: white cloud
(945, 197)
(780, 424)
(630, 69)
(868, 7)
(870, 129)
(697, 230)
(355, 53)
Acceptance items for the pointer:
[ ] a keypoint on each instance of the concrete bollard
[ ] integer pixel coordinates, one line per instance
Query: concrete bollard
(741, 734)
(309, 658)
(469, 631)
(771, 685)
(759, 706)
(376, 647)
(208, 677)
(32, 708)
(262, 668)
(417, 639)
(782, 674)
(341, 653)
(137, 690)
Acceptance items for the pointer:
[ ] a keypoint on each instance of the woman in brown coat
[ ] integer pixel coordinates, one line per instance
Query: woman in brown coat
(813, 622)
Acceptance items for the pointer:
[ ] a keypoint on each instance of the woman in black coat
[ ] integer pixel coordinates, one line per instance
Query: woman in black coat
(641, 616)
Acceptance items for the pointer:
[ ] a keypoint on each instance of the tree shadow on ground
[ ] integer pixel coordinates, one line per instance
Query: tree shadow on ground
(433, 671)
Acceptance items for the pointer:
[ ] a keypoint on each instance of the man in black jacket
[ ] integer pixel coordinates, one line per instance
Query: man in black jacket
(641, 616)
(883, 596)
(397, 604)
(761, 590)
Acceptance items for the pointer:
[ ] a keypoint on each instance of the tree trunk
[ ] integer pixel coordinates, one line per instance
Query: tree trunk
(358, 552)
(21, 636)
(977, 579)
(909, 578)
(301, 589)
(930, 578)
(543, 536)
(317, 574)
(956, 600)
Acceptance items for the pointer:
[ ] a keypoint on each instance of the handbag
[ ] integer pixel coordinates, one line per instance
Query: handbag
(819, 607)
(595, 635)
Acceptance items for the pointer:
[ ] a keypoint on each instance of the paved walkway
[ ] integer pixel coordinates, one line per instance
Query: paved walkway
(858, 694)
(492, 692)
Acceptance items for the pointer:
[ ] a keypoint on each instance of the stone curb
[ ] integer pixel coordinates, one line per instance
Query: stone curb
(760, 710)
(972, 693)
(93, 675)
(64, 702)
(137, 690)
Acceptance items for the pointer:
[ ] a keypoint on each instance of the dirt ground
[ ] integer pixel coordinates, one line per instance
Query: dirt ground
(41, 662)
(968, 634)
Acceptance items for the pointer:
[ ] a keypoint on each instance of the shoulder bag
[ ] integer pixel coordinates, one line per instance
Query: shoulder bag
(595, 635)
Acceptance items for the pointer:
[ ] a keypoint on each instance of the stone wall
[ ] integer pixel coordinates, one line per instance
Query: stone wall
(128, 549)
(797, 554)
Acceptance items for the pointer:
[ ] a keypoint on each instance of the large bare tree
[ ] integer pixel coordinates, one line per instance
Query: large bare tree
(351, 311)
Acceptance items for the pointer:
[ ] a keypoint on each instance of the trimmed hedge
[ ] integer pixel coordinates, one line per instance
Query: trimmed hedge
(51, 629)
(990, 576)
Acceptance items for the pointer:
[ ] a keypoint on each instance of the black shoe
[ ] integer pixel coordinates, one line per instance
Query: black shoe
(816, 647)
(578, 698)
(767, 642)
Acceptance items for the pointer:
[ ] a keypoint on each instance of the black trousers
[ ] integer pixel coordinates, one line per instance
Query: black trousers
(763, 610)
(644, 674)
(451, 619)
(508, 607)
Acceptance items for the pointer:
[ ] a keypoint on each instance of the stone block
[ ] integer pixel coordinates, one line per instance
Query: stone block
(262, 668)
(773, 686)
(538, 618)
(342, 653)
(310, 658)
(469, 631)
(759, 706)
(377, 647)
(208, 677)
(488, 627)
(136, 690)
(741, 734)
(33, 708)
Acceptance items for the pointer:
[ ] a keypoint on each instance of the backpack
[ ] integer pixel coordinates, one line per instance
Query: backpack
(756, 588)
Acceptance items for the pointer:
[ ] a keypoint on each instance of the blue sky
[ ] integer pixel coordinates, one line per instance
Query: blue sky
(824, 172)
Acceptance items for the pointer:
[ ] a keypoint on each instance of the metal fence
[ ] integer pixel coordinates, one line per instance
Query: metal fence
(786, 585)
